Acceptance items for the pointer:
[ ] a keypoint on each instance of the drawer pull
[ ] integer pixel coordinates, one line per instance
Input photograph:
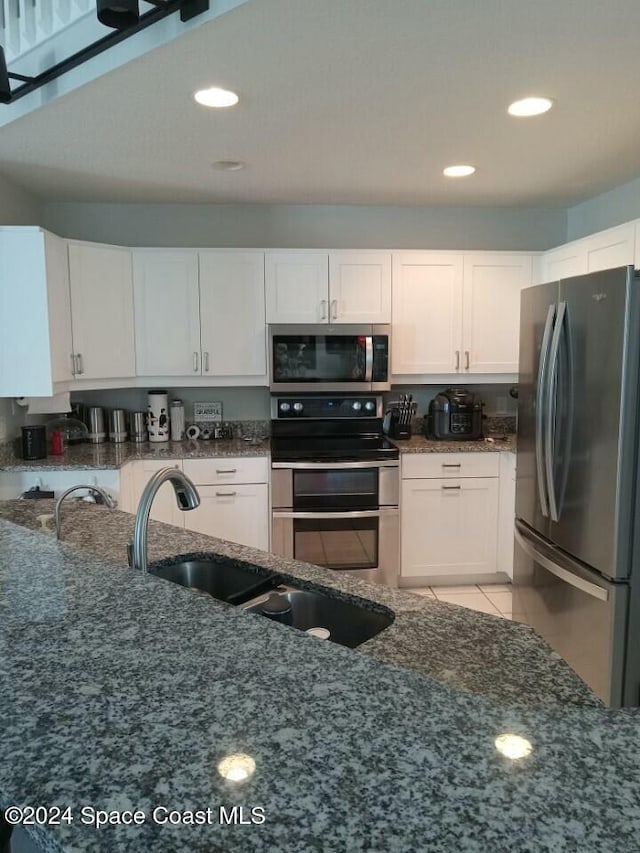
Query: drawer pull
(226, 494)
(452, 487)
(452, 464)
(226, 470)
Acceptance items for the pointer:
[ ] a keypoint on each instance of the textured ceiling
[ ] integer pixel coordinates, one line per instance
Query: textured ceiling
(354, 102)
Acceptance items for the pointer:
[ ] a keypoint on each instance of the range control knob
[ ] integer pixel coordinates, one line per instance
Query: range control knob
(298, 407)
(284, 407)
(369, 405)
(356, 405)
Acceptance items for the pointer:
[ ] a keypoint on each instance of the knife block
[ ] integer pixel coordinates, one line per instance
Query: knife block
(398, 430)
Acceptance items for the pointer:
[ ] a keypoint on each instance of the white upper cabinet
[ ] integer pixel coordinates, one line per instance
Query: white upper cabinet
(427, 312)
(611, 248)
(167, 312)
(615, 247)
(35, 313)
(457, 312)
(491, 310)
(297, 287)
(101, 285)
(232, 313)
(564, 262)
(360, 287)
(322, 287)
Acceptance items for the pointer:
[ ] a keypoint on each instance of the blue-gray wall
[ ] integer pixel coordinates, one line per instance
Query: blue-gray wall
(310, 226)
(614, 207)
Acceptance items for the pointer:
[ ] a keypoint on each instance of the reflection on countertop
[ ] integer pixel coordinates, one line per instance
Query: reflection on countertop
(126, 691)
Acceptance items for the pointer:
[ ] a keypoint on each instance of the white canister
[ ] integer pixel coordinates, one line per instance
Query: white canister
(158, 415)
(177, 420)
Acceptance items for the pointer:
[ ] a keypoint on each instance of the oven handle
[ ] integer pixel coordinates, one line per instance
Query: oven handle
(368, 359)
(306, 466)
(365, 513)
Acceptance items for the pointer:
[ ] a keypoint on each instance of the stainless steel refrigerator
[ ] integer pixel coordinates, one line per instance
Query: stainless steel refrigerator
(577, 532)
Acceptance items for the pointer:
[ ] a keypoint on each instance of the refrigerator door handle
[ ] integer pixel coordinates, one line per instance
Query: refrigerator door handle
(551, 409)
(540, 402)
(563, 574)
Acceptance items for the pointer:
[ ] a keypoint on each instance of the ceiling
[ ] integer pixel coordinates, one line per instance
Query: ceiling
(354, 102)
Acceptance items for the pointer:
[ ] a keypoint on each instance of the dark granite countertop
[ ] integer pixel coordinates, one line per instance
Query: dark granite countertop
(489, 444)
(111, 456)
(124, 691)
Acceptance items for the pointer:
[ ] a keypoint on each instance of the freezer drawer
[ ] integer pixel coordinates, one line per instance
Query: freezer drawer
(582, 616)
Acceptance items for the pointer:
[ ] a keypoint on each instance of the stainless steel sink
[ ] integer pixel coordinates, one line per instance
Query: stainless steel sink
(223, 579)
(348, 624)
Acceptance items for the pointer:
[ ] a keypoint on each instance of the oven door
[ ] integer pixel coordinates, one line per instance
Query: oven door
(364, 543)
(328, 358)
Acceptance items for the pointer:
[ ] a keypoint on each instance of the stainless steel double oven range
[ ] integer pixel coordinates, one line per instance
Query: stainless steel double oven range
(334, 485)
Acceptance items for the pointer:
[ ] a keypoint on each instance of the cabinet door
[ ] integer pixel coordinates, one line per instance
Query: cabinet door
(491, 310)
(102, 310)
(565, 261)
(449, 527)
(507, 512)
(35, 315)
(297, 287)
(612, 248)
(232, 314)
(238, 513)
(164, 507)
(360, 287)
(427, 312)
(167, 312)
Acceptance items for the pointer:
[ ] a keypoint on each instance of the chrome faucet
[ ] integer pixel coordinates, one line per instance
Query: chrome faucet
(187, 498)
(98, 491)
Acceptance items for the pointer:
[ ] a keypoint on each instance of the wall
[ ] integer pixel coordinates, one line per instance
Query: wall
(312, 226)
(17, 206)
(604, 211)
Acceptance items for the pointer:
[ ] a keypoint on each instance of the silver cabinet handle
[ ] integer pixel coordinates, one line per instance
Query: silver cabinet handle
(451, 487)
(79, 367)
(466, 359)
(226, 494)
(323, 305)
(206, 362)
(226, 470)
(334, 309)
(73, 364)
(452, 465)
(457, 359)
(195, 362)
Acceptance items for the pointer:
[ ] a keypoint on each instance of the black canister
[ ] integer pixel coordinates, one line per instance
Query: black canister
(34, 442)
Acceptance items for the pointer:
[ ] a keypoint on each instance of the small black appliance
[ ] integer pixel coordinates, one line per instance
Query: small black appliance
(454, 415)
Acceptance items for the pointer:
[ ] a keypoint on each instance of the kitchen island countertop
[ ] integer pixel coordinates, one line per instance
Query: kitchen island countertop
(124, 691)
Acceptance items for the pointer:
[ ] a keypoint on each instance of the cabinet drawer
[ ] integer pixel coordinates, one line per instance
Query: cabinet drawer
(450, 465)
(237, 513)
(227, 469)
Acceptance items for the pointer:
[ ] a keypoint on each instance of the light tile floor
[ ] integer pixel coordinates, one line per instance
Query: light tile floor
(487, 598)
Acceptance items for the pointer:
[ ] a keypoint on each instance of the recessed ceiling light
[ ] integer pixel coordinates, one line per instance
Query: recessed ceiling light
(513, 746)
(216, 97)
(530, 107)
(460, 171)
(228, 165)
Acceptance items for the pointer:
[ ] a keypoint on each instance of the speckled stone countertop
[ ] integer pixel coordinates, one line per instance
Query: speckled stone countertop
(490, 444)
(110, 456)
(124, 691)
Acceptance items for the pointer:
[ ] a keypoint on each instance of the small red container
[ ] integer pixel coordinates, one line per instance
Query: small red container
(57, 443)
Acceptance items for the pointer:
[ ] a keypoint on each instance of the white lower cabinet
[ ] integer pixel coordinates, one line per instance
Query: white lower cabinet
(507, 512)
(234, 497)
(449, 516)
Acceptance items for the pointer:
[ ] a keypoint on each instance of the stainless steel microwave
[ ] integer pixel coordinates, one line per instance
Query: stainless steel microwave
(329, 358)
